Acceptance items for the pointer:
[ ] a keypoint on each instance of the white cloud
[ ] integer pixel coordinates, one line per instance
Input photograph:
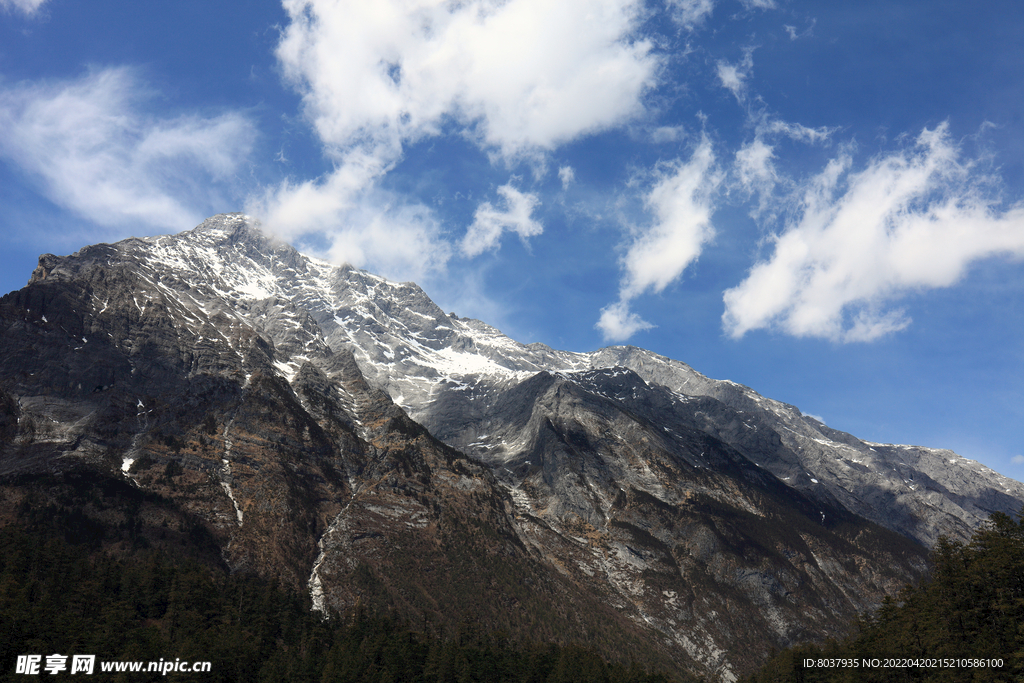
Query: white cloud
(681, 202)
(364, 227)
(754, 166)
(401, 241)
(567, 175)
(734, 77)
(731, 78)
(489, 223)
(291, 210)
(617, 323)
(795, 34)
(759, 4)
(667, 134)
(913, 219)
(519, 76)
(1017, 460)
(691, 13)
(795, 131)
(26, 6)
(755, 171)
(93, 150)
(516, 77)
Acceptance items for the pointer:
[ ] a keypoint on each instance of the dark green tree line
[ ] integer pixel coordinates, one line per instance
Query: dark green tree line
(969, 611)
(59, 598)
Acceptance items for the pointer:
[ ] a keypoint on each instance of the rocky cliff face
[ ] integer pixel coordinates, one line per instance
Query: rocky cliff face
(219, 390)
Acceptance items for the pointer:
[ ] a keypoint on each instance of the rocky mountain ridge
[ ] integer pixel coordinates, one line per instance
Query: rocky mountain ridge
(426, 360)
(615, 497)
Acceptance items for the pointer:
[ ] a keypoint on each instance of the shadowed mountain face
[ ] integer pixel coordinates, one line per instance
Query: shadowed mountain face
(218, 392)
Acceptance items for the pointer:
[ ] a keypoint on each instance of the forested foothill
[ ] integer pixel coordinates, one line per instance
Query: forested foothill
(964, 623)
(60, 597)
(134, 593)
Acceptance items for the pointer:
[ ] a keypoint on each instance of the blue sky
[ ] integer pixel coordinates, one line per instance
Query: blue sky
(823, 201)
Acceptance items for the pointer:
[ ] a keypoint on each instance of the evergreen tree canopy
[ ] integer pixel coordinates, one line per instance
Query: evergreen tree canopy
(65, 599)
(964, 623)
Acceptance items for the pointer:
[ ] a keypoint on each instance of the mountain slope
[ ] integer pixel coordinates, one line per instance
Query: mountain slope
(153, 415)
(427, 361)
(617, 498)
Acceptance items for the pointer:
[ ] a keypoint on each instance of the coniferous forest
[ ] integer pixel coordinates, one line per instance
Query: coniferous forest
(56, 597)
(964, 623)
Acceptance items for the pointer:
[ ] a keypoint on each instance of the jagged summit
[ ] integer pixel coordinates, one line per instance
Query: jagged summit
(274, 392)
(225, 224)
(448, 372)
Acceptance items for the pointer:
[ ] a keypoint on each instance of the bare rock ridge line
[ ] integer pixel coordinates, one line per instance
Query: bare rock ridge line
(340, 432)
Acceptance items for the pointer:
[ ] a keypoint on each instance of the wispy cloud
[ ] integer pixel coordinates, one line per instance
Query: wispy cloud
(681, 203)
(94, 149)
(795, 34)
(754, 165)
(691, 13)
(794, 131)
(345, 221)
(567, 175)
(26, 6)
(754, 169)
(516, 215)
(913, 219)
(516, 77)
(733, 77)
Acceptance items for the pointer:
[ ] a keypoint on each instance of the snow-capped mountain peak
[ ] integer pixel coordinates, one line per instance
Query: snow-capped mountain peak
(450, 373)
(270, 393)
